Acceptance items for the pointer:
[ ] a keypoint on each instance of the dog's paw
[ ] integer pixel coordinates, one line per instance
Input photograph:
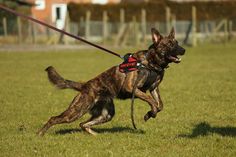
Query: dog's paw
(149, 115)
(146, 117)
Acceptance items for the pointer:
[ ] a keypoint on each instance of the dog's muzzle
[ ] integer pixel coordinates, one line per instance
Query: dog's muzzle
(174, 57)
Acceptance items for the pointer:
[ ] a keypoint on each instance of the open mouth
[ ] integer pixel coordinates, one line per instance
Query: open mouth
(174, 59)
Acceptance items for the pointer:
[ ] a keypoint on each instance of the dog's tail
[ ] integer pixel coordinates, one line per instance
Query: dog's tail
(60, 82)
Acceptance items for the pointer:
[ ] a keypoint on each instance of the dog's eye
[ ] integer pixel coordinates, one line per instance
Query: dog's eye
(170, 44)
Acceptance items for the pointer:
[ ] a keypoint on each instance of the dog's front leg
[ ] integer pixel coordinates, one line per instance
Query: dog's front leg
(158, 104)
(156, 96)
(143, 96)
(129, 85)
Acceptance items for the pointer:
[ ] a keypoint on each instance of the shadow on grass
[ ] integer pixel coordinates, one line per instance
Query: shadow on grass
(103, 130)
(204, 128)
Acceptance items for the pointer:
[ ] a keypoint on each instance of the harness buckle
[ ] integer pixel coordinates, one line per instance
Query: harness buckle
(130, 64)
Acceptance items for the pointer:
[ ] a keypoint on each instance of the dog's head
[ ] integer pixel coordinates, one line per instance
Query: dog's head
(166, 48)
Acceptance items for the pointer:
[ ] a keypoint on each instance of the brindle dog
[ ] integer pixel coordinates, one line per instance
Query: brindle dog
(96, 96)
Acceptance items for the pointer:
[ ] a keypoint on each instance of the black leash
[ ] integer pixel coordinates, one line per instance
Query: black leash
(58, 30)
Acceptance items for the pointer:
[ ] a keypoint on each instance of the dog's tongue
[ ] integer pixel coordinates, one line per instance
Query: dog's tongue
(174, 59)
(178, 60)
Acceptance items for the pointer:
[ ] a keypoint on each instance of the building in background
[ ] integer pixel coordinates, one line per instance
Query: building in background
(54, 11)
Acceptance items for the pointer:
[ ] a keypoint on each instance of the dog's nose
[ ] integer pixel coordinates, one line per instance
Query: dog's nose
(182, 51)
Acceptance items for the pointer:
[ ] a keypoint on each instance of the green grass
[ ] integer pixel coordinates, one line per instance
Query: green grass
(199, 116)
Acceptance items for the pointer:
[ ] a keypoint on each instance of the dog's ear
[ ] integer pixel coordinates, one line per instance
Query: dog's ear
(156, 36)
(172, 33)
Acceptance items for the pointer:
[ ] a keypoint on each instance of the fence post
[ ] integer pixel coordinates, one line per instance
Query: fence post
(48, 34)
(226, 29)
(87, 24)
(122, 17)
(19, 30)
(194, 26)
(144, 25)
(173, 21)
(4, 21)
(31, 31)
(230, 29)
(67, 28)
(34, 35)
(81, 25)
(105, 26)
(206, 28)
(135, 31)
(168, 14)
(122, 29)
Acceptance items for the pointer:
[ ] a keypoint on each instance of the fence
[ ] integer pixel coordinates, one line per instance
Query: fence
(120, 33)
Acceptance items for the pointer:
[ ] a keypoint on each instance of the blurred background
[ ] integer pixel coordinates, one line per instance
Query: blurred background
(119, 22)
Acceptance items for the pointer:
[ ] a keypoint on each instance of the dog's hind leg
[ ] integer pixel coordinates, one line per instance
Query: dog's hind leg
(102, 112)
(79, 106)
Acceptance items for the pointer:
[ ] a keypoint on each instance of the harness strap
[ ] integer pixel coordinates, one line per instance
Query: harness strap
(130, 64)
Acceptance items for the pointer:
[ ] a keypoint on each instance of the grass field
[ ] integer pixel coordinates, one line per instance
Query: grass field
(199, 116)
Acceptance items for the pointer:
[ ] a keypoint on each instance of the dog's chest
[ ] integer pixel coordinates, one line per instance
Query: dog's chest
(151, 80)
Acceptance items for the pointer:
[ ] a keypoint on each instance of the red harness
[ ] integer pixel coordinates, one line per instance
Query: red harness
(130, 64)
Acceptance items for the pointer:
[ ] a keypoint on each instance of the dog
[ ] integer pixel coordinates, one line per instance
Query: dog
(96, 95)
